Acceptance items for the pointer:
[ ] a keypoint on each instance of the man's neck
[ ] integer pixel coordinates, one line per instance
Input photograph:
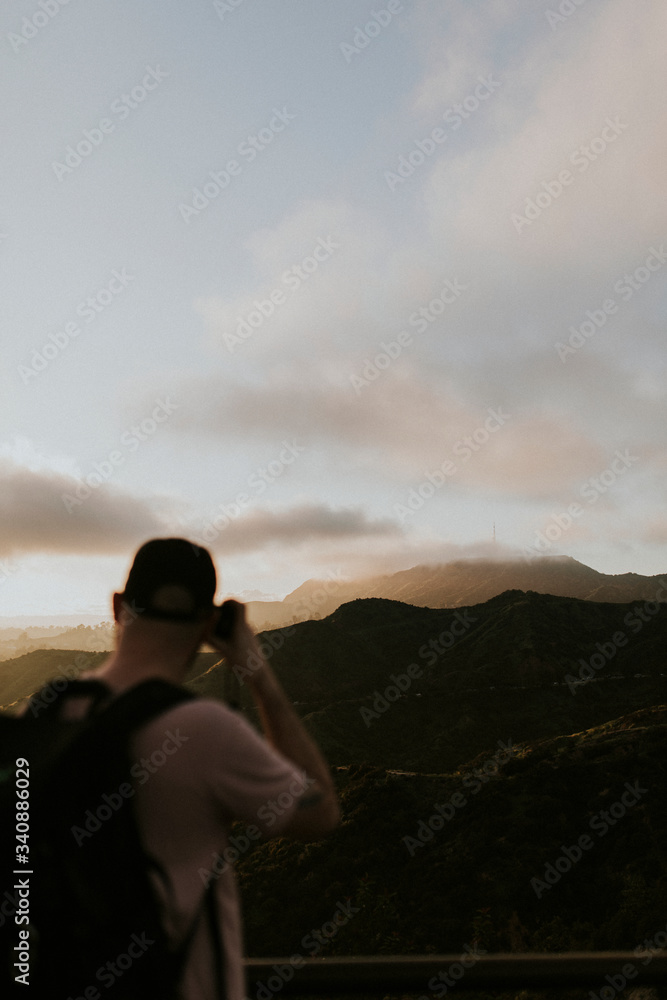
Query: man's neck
(123, 669)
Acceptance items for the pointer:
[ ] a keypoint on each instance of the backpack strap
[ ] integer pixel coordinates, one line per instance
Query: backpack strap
(128, 711)
(209, 907)
(216, 939)
(139, 704)
(87, 688)
(123, 714)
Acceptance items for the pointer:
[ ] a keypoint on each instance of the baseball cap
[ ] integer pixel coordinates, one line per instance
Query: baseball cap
(171, 579)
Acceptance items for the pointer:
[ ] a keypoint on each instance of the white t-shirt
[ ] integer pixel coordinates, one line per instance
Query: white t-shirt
(196, 768)
(217, 768)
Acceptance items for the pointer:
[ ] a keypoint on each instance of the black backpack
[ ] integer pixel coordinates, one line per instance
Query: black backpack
(79, 919)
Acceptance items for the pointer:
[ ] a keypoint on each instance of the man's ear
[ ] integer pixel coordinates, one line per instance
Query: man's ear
(117, 602)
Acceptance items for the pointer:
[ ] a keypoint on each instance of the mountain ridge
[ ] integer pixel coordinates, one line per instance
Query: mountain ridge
(461, 583)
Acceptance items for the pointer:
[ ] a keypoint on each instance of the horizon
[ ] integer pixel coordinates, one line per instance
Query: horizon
(334, 290)
(84, 618)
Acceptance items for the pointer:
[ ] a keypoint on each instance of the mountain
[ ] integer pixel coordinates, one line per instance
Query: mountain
(473, 748)
(422, 689)
(16, 641)
(460, 584)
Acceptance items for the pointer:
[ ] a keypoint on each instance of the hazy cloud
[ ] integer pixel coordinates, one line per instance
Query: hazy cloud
(413, 424)
(296, 526)
(37, 516)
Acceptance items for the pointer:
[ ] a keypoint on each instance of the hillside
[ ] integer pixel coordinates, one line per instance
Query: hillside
(16, 641)
(22, 676)
(460, 584)
(508, 668)
(513, 667)
(418, 880)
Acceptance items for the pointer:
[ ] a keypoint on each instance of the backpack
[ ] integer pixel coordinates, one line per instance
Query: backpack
(79, 917)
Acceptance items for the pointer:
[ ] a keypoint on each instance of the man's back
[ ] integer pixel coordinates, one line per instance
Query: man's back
(200, 766)
(221, 770)
(195, 769)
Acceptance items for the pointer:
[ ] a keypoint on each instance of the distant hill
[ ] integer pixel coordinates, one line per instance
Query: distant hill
(16, 641)
(459, 584)
(22, 676)
(423, 689)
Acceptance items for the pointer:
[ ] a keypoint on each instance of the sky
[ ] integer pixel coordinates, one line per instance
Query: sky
(334, 289)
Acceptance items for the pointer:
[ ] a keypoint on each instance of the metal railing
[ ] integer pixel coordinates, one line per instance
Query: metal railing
(612, 971)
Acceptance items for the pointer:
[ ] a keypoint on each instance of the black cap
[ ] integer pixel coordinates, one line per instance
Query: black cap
(171, 579)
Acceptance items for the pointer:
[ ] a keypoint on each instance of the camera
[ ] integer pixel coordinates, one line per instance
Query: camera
(226, 620)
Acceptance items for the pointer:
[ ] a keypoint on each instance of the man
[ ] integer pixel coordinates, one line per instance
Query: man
(215, 767)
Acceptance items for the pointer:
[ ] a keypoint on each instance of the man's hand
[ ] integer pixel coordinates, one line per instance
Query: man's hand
(318, 812)
(240, 647)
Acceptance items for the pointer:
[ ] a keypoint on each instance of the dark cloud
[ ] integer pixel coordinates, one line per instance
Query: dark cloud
(295, 526)
(44, 511)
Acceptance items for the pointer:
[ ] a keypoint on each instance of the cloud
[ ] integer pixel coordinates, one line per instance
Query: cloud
(609, 66)
(298, 525)
(456, 45)
(312, 284)
(34, 517)
(413, 424)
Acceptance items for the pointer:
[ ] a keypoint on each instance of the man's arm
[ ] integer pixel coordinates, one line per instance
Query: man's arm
(317, 811)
